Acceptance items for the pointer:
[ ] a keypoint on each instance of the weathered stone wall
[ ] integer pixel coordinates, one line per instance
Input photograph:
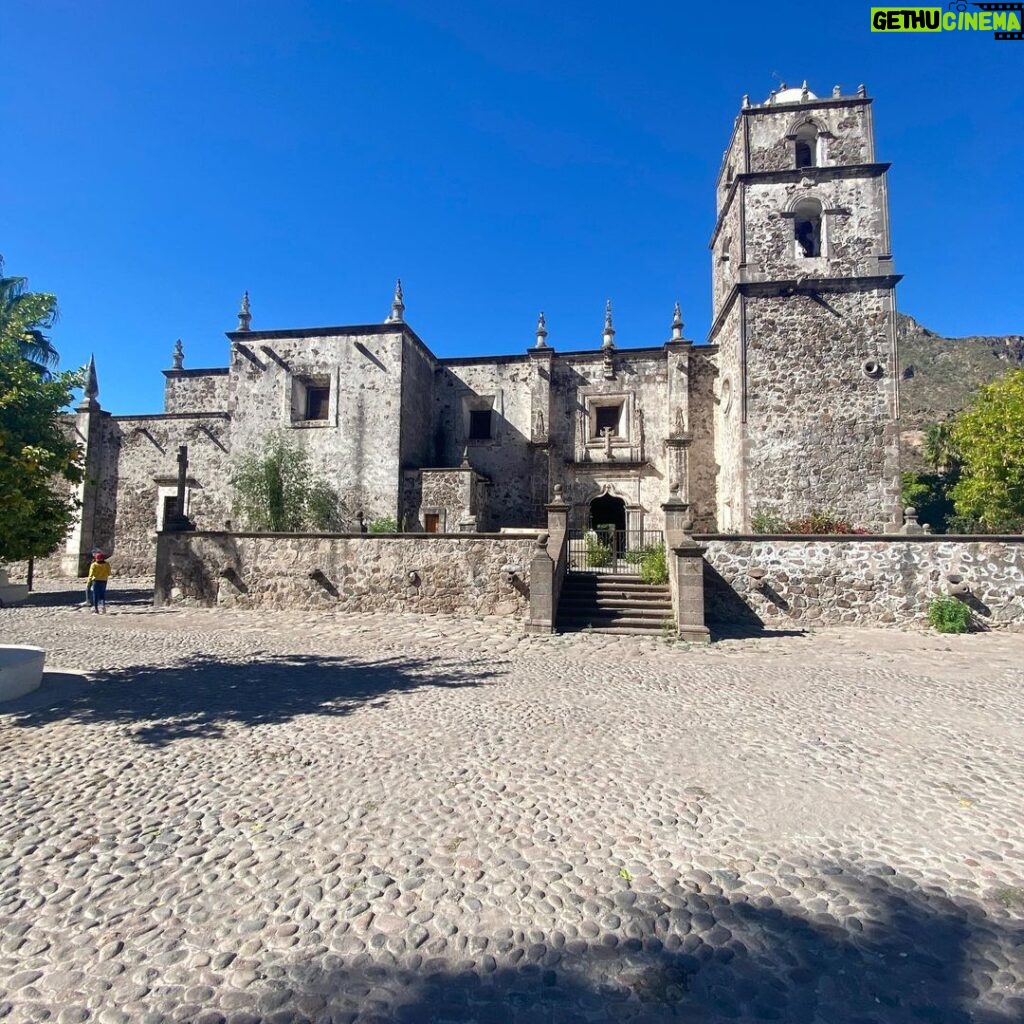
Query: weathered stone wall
(852, 235)
(506, 458)
(458, 496)
(702, 469)
(467, 575)
(822, 431)
(641, 381)
(727, 249)
(848, 121)
(196, 390)
(356, 449)
(729, 429)
(141, 469)
(866, 581)
(417, 412)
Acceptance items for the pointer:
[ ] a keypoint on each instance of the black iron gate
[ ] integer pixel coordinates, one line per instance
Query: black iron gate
(606, 549)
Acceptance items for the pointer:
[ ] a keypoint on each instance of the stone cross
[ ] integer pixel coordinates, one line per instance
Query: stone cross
(179, 505)
(606, 433)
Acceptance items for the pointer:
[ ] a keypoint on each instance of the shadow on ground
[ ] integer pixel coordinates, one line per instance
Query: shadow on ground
(916, 956)
(128, 595)
(198, 697)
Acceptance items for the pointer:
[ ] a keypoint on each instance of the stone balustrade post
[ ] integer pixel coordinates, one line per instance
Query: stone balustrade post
(686, 570)
(542, 578)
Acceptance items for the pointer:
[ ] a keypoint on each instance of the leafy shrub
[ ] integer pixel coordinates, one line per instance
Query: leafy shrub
(323, 511)
(598, 554)
(383, 524)
(766, 521)
(819, 522)
(654, 566)
(948, 615)
(968, 524)
(272, 490)
(636, 555)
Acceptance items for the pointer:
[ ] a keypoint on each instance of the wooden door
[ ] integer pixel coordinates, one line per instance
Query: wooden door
(432, 521)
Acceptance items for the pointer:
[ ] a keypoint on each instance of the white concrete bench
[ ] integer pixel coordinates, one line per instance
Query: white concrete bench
(21, 670)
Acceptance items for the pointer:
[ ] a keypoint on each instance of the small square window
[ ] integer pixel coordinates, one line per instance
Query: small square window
(318, 401)
(606, 417)
(479, 424)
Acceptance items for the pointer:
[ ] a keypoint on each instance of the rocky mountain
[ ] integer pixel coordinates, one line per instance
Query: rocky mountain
(940, 374)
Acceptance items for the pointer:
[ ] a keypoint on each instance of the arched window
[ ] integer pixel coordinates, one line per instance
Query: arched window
(806, 146)
(807, 228)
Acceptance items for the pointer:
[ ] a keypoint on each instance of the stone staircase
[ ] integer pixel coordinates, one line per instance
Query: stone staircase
(608, 603)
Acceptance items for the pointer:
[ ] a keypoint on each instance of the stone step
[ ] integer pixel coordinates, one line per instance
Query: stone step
(617, 630)
(571, 603)
(641, 597)
(626, 587)
(653, 622)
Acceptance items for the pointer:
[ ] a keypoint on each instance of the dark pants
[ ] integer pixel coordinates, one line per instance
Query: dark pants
(98, 593)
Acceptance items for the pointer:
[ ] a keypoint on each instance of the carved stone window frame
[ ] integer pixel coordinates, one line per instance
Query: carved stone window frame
(296, 398)
(472, 402)
(625, 400)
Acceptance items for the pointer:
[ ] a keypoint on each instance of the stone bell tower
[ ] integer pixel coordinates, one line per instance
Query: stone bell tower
(805, 315)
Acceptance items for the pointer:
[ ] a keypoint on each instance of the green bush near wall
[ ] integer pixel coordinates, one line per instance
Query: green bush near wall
(948, 615)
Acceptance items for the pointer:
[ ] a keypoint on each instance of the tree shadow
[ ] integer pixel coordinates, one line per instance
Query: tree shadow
(904, 954)
(131, 594)
(199, 696)
(728, 615)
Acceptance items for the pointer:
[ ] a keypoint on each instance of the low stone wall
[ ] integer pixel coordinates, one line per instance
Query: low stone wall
(871, 580)
(465, 574)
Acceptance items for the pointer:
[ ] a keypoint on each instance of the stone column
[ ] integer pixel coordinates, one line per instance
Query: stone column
(88, 434)
(541, 369)
(547, 569)
(542, 591)
(686, 570)
(558, 524)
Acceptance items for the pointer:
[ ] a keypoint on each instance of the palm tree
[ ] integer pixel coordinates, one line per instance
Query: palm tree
(25, 317)
(939, 450)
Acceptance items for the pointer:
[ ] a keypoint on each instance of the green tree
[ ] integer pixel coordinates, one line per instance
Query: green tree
(273, 490)
(989, 440)
(25, 317)
(929, 494)
(939, 449)
(37, 459)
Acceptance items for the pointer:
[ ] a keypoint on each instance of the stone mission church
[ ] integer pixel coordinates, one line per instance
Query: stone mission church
(791, 405)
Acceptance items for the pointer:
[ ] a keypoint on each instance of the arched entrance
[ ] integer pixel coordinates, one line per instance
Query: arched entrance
(608, 511)
(608, 521)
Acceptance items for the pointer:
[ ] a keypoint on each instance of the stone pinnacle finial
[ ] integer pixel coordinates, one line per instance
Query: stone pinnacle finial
(542, 331)
(397, 314)
(677, 323)
(91, 390)
(746, 101)
(178, 357)
(862, 91)
(244, 313)
(836, 92)
(804, 91)
(609, 330)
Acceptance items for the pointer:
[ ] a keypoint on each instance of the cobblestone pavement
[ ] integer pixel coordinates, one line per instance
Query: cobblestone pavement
(249, 817)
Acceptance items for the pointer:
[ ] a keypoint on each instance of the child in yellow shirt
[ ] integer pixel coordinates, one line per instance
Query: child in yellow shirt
(99, 573)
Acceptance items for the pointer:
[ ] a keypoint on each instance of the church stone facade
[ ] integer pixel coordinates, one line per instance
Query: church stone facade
(790, 406)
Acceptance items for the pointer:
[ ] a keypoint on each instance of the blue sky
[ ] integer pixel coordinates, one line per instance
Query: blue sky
(501, 158)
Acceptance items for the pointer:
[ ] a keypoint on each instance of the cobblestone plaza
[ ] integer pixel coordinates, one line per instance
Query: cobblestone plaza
(222, 816)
